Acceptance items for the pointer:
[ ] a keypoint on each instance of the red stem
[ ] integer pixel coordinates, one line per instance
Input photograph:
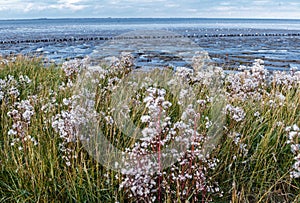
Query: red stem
(159, 155)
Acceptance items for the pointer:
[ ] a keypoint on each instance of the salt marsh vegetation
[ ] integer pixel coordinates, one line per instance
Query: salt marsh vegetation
(253, 156)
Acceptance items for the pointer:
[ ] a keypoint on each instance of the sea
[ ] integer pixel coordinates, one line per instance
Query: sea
(229, 43)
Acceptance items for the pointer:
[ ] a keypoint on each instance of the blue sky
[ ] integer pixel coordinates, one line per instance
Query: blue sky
(14, 9)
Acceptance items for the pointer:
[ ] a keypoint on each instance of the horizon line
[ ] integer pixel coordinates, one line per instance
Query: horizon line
(217, 18)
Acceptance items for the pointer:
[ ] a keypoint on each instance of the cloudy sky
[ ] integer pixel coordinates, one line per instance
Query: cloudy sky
(14, 9)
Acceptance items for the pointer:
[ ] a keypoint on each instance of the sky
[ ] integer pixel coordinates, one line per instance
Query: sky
(278, 9)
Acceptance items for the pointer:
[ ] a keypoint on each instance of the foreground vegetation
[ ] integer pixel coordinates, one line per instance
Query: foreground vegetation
(243, 132)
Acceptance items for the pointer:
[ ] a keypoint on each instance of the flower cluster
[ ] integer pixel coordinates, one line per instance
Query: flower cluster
(293, 141)
(249, 83)
(253, 83)
(21, 116)
(24, 79)
(121, 66)
(69, 124)
(236, 113)
(169, 155)
(143, 174)
(72, 123)
(286, 80)
(238, 141)
(189, 174)
(51, 102)
(9, 87)
(72, 68)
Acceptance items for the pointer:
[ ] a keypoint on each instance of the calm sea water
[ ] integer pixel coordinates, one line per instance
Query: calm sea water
(229, 42)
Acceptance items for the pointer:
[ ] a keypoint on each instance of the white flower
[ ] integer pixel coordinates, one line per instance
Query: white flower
(236, 113)
(145, 118)
(27, 115)
(293, 137)
(296, 128)
(256, 114)
(109, 120)
(12, 132)
(66, 101)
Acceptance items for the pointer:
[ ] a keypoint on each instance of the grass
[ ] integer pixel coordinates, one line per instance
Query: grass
(254, 158)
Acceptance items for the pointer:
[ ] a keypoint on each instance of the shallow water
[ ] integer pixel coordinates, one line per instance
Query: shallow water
(229, 42)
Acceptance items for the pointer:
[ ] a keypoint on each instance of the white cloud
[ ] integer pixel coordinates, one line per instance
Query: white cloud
(68, 6)
(69, 1)
(21, 6)
(142, 1)
(225, 3)
(74, 5)
(193, 10)
(261, 2)
(172, 5)
(149, 8)
(224, 8)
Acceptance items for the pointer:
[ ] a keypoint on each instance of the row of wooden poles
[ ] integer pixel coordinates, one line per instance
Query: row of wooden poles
(101, 38)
